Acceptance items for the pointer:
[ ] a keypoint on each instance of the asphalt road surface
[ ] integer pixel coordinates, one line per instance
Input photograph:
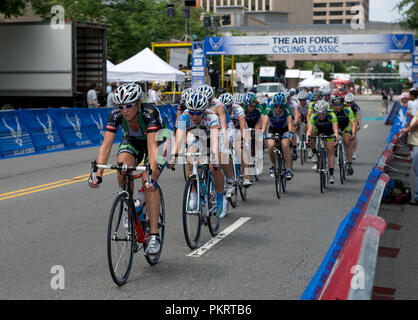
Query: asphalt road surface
(50, 217)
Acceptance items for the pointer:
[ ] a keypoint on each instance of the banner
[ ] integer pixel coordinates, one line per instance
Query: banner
(310, 44)
(415, 62)
(198, 65)
(245, 68)
(24, 132)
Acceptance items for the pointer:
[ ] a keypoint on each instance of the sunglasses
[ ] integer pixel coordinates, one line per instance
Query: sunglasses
(277, 106)
(128, 106)
(197, 113)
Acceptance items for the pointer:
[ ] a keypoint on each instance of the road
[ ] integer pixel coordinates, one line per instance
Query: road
(273, 255)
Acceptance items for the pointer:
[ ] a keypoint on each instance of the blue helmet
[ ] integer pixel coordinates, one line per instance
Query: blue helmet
(249, 99)
(279, 99)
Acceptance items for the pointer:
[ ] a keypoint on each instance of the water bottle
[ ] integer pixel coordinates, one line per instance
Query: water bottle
(141, 200)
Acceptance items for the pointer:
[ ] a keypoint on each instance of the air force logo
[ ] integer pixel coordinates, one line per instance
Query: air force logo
(216, 45)
(399, 43)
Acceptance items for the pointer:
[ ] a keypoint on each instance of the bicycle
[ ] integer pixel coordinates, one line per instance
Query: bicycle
(200, 181)
(238, 181)
(279, 165)
(342, 162)
(125, 226)
(254, 161)
(301, 142)
(322, 165)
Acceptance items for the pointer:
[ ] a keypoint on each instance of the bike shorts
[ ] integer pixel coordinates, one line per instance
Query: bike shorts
(283, 132)
(329, 139)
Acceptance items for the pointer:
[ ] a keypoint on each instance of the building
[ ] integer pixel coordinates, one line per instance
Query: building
(261, 12)
(338, 11)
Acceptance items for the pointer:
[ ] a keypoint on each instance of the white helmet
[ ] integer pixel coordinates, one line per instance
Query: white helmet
(186, 93)
(197, 101)
(238, 98)
(321, 106)
(349, 97)
(127, 93)
(226, 98)
(206, 90)
(302, 95)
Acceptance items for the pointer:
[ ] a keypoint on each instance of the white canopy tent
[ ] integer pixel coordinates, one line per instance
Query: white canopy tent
(109, 65)
(314, 82)
(144, 66)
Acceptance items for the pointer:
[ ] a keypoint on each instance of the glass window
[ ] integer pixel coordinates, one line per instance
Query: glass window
(336, 21)
(319, 5)
(336, 13)
(320, 22)
(336, 4)
(320, 13)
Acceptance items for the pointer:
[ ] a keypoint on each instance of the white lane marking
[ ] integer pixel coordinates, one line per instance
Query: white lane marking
(366, 126)
(198, 252)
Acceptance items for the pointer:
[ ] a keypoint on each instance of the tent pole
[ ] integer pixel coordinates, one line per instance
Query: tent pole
(222, 71)
(232, 75)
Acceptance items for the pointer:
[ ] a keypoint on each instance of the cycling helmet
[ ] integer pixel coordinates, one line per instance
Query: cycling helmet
(337, 100)
(318, 95)
(197, 101)
(206, 90)
(279, 99)
(127, 93)
(292, 91)
(321, 106)
(186, 93)
(302, 95)
(226, 98)
(349, 97)
(238, 98)
(249, 99)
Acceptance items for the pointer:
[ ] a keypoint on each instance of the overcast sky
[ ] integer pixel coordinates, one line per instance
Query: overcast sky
(384, 10)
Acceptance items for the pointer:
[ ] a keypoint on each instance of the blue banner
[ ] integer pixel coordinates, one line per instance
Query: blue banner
(30, 131)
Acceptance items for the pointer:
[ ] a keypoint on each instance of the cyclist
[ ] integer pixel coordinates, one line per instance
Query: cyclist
(324, 121)
(236, 117)
(141, 123)
(347, 125)
(302, 108)
(198, 115)
(182, 104)
(293, 102)
(318, 95)
(279, 120)
(216, 106)
(349, 102)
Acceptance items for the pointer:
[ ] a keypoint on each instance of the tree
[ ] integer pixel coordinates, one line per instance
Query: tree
(12, 7)
(409, 9)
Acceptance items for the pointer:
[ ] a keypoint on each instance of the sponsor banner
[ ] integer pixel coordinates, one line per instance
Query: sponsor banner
(24, 132)
(198, 64)
(14, 135)
(415, 62)
(245, 68)
(310, 44)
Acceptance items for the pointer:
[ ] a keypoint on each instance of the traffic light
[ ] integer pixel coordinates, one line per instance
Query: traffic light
(206, 22)
(226, 19)
(389, 64)
(216, 21)
(190, 3)
(185, 12)
(171, 10)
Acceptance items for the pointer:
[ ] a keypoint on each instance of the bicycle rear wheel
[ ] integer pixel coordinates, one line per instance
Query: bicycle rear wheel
(283, 174)
(153, 259)
(191, 218)
(120, 240)
(322, 174)
(214, 222)
(341, 163)
(277, 174)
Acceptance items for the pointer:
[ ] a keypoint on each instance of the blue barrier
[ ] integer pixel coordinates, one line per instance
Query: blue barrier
(396, 106)
(399, 123)
(31, 131)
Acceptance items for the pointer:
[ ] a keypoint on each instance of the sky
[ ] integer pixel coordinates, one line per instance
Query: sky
(384, 10)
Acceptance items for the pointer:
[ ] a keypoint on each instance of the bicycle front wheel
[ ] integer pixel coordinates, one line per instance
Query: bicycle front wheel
(120, 240)
(322, 174)
(153, 259)
(277, 174)
(214, 222)
(191, 216)
(341, 163)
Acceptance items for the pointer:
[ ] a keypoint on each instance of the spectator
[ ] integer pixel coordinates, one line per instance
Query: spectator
(92, 101)
(390, 96)
(385, 96)
(110, 102)
(412, 103)
(404, 98)
(412, 131)
(155, 94)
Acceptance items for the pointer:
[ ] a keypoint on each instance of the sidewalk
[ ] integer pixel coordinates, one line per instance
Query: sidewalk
(397, 265)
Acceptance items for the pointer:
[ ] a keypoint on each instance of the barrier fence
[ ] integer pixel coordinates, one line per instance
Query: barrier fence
(347, 270)
(32, 131)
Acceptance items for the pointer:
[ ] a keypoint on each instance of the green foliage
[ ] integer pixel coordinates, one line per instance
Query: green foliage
(409, 9)
(12, 7)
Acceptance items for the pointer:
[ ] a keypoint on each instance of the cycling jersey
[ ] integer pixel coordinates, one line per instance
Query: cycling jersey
(135, 142)
(278, 121)
(324, 126)
(149, 120)
(344, 117)
(355, 107)
(252, 118)
(209, 121)
(303, 110)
